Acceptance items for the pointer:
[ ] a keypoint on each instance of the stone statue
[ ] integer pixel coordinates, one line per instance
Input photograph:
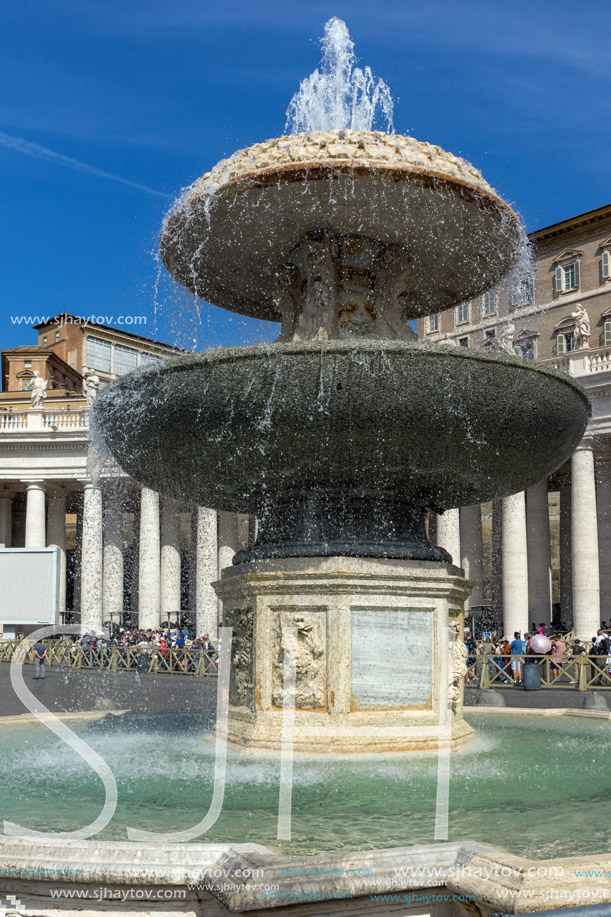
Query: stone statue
(91, 384)
(460, 656)
(318, 321)
(581, 332)
(38, 389)
(288, 290)
(393, 275)
(506, 338)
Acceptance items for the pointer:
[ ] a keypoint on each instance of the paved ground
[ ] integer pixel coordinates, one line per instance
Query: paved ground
(552, 698)
(72, 690)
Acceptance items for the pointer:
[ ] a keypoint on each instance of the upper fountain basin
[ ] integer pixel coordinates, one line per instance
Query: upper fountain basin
(235, 228)
(233, 428)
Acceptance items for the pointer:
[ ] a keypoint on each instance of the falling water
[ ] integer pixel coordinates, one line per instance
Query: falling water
(342, 96)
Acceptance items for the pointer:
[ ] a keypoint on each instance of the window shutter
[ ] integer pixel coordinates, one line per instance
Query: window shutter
(558, 280)
(560, 344)
(577, 274)
(607, 334)
(606, 266)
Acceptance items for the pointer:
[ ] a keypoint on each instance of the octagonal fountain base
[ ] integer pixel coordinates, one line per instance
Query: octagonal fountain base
(367, 655)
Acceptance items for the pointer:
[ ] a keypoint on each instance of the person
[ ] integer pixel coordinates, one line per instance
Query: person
(505, 652)
(578, 647)
(487, 650)
(517, 651)
(40, 654)
(557, 654)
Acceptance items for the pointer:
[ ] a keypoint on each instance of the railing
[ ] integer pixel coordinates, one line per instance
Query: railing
(580, 672)
(192, 660)
(36, 421)
(66, 420)
(582, 362)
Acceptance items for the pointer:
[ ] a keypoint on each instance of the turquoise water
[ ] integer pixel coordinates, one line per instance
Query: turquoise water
(536, 786)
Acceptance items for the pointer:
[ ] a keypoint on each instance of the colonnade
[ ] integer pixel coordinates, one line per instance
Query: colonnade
(99, 591)
(525, 551)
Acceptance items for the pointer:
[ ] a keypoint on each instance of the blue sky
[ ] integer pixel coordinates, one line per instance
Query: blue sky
(136, 98)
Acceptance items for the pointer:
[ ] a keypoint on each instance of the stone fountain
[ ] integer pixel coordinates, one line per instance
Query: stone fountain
(342, 435)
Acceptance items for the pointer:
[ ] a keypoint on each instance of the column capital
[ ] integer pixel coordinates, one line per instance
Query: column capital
(34, 483)
(586, 443)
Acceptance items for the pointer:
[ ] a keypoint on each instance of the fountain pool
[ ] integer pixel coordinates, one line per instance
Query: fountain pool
(515, 773)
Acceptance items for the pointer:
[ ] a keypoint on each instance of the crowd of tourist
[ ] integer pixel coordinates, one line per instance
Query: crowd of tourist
(148, 642)
(506, 657)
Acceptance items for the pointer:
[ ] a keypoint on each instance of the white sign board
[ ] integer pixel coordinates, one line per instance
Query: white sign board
(29, 586)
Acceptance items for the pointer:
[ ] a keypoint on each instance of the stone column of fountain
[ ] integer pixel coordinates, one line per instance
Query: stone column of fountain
(344, 433)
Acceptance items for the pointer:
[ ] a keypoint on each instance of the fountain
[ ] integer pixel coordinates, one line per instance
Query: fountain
(342, 435)
(340, 438)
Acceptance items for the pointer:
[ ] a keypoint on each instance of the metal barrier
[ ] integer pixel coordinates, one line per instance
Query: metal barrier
(192, 660)
(580, 672)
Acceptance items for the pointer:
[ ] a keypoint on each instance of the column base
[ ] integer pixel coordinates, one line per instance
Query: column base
(370, 644)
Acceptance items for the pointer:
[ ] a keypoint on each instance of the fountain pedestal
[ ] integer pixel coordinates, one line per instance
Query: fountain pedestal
(376, 648)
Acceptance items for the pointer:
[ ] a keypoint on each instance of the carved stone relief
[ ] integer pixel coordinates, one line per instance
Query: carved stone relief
(241, 682)
(310, 678)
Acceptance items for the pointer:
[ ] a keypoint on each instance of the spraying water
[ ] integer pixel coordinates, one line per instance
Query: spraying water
(342, 96)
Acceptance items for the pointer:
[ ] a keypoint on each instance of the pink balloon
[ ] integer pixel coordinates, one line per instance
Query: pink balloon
(540, 644)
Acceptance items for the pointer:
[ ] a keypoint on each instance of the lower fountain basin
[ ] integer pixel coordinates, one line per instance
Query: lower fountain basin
(340, 448)
(500, 789)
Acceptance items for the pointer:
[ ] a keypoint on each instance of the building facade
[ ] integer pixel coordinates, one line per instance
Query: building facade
(546, 553)
(127, 555)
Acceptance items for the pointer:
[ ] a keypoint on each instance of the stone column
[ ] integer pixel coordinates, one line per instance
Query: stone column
(113, 558)
(604, 536)
(78, 558)
(57, 539)
(149, 561)
(496, 560)
(91, 560)
(515, 565)
(170, 560)
(539, 555)
(566, 568)
(6, 520)
(472, 551)
(206, 572)
(448, 534)
(35, 531)
(584, 543)
(228, 539)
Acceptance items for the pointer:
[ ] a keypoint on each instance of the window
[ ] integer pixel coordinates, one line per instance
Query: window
(607, 333)
(126, 359)
(98, 354)
(463, 342)
(150, 359)
(44, 342)
(568, 277)
(523, 293)
(462, 313)
(27, 364)
(490, 302)
(490, 334)
(528, 349)
(606, 266)
(57, 337)
(564, 342)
